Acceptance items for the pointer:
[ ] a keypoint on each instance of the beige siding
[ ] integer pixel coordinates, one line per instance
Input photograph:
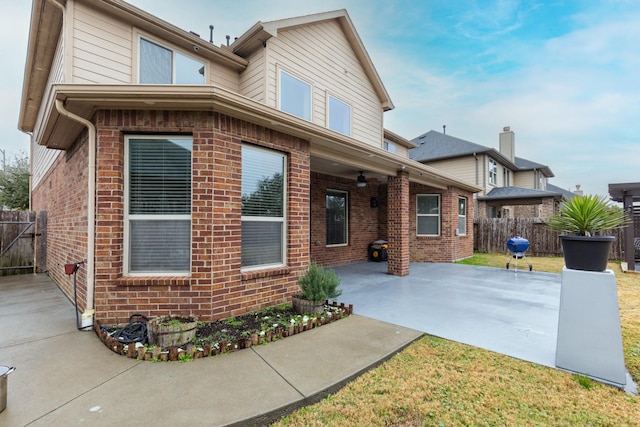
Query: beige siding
(402, 151)
(463, 168)
(525, 179)
(41, 157)
(101, 48)
(321, 55)
(252, 80)
(222, 76)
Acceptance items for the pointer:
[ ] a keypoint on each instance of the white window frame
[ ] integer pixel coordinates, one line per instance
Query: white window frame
(438, 215)
(389, 146)
(309, 106)
(462, 217)
(331, 98)
(128, 218)
(175, 52)
(282, 220)
(346, 217)
(493, 172)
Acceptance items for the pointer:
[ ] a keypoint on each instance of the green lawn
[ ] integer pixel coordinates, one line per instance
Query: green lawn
(443, 383)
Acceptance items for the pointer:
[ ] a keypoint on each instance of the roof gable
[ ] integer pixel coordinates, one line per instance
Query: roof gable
(258, 35)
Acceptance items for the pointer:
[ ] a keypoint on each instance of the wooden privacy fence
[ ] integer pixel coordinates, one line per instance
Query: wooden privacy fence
(22, 242)
(491, 235)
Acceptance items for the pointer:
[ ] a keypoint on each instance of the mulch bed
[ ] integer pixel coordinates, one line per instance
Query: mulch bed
(227, 335)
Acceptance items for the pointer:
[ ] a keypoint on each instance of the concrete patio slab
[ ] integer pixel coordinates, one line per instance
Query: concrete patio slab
(491, 308)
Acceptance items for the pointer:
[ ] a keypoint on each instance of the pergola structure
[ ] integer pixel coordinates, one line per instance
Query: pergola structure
(628, 194)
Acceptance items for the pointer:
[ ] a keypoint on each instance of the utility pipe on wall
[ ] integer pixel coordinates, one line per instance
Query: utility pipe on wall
(87, 316)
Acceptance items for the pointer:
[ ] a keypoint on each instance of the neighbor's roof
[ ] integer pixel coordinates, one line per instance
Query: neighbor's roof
(433, 145)
(566, 193)
(503, 193)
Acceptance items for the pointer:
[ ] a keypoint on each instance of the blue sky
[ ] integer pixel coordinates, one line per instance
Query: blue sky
(564, 75)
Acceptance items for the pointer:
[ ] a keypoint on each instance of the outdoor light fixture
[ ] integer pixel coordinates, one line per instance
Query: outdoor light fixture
(362, 181)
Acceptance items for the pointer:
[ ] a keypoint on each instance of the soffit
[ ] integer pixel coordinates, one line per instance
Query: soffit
(44, 31)
(83, 100)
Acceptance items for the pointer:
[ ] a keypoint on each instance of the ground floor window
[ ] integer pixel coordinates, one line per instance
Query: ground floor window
(428, 215)
(462, 216)
(263, 207)
(157, 205)
(337, 218)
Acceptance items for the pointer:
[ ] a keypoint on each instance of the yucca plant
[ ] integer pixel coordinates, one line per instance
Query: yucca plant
(587, 216)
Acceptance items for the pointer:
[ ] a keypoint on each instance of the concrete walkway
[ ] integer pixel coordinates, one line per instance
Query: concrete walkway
(66, 377)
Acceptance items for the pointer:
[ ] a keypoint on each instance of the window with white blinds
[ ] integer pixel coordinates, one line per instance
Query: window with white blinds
(161, 65)
(158, 205)
(263, 207)
(428, 214)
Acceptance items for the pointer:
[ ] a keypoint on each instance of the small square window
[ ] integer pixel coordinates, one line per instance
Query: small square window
(295, 96)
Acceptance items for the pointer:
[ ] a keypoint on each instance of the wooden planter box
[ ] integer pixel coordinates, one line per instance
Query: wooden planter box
(303, 306)
(165, 332)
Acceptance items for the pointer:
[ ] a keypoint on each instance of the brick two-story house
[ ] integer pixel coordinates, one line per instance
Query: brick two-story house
(203, 179)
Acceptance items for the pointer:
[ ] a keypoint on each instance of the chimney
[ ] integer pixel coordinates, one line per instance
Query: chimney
(578, 191)
(508, 144)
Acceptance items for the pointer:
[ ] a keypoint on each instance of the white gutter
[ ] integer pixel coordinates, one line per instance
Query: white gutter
(87, 316)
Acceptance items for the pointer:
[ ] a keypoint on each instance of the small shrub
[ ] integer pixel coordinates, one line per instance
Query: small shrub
(319, 284)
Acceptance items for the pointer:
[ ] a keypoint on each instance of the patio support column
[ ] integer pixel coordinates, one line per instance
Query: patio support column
(398, 224)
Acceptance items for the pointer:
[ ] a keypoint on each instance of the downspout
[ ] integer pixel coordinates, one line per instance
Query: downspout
(87, 316)
(475, 156)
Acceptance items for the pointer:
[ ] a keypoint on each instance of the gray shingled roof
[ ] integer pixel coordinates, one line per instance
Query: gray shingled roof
(566, 193)
(435, 145)
(501, 193)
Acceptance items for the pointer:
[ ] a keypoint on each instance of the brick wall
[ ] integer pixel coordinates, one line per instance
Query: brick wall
(62, 192)
(363, 220)
(216, 287)
(446, 247)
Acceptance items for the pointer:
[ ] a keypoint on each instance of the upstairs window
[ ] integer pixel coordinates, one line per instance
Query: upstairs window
(390, 146)
(263, 207)
(295, 96)
(339, 115)
(160, 65)
(493, 172)
(158, 205)
(428, 215)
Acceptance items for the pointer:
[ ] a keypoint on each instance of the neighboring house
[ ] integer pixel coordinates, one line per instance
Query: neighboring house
(512, 187)
(203, 179)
